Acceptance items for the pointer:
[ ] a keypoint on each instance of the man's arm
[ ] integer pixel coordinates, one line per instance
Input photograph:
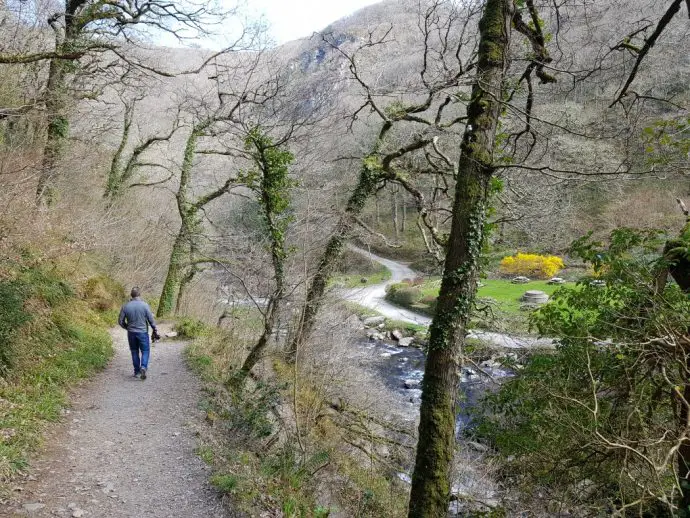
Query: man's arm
(121, 320)
(149, 317)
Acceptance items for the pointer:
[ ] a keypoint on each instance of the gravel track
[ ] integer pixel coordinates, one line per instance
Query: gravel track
(125, 448)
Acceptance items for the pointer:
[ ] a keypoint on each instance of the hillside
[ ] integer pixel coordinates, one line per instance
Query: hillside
(332, 228)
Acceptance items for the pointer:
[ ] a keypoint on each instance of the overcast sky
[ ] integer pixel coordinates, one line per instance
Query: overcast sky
(292, 19)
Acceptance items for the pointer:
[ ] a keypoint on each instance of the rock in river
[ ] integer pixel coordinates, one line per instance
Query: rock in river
(374, 321)
(406, 342)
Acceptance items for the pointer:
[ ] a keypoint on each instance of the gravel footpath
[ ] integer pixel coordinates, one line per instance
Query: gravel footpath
(125, 448)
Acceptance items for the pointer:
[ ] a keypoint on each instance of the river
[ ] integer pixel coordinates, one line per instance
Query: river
(402, 368)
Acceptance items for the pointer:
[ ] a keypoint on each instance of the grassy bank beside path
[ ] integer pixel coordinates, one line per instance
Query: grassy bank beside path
(53, 333)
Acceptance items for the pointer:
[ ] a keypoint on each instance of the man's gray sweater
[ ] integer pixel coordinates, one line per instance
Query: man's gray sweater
(135, 316)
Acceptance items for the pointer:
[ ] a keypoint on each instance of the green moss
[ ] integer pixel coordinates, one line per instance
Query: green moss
(493, 33)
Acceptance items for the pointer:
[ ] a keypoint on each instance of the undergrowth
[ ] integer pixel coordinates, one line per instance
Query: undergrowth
(262, 460)
(53, 333)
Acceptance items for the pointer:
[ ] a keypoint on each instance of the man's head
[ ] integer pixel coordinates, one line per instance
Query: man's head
(135, 292)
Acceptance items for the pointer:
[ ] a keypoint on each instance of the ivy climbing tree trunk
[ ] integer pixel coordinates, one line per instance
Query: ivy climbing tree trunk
(272, 186)
(369, 177)
(431, 484)
(173, 278)
(190, 222)
(122, 171)
(188, 215)
(67, 43)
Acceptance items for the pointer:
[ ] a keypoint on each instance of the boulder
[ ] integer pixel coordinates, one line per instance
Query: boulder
(520, 279)
(396, 334)
(374, 321)
(477, 446)
(406, 342)
(412, 384)
(352, 322)
(535, 297)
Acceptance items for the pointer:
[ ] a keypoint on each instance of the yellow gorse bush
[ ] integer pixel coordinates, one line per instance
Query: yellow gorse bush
(532, 265)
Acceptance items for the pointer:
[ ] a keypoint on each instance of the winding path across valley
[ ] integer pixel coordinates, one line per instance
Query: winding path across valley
(373, 297)
(125, 449)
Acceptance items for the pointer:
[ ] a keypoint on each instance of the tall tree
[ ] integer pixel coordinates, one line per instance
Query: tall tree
(476, 169)
(189, 208)
(430, 493)
(270, 182)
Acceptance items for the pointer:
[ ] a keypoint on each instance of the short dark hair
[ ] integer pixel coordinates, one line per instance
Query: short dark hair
(135, 292)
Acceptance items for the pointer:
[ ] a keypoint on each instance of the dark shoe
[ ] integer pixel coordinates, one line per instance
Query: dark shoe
(143, 373)
(135, 375)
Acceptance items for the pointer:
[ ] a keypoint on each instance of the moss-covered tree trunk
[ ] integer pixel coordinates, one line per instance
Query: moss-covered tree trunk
(173, 278)
(369, 177)
(273, 190)
(431, 482)
(188, 221)
(118, 172)
(57, 132)
(56, 100)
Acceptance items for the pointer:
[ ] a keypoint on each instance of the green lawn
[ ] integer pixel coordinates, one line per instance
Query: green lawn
(506, 294)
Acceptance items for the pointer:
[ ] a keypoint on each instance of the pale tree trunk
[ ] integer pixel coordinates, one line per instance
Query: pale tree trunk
(431, 483)
(394, 211)
(403, 221)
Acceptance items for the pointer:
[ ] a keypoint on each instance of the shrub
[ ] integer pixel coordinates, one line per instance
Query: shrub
(532, 265)
(354, 263)
(12, 317)
(225, 483)
(103, 293)
(430, 301)
(403, 294)
(190, 328)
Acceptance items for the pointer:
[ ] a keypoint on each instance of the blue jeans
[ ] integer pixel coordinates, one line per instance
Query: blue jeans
(140, 348)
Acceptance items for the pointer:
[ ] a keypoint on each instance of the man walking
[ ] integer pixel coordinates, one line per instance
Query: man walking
(135, 317)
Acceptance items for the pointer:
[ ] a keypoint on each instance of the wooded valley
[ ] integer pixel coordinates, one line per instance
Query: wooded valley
(432, 261)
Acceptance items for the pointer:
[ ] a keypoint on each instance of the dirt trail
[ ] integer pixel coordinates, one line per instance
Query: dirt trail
(126, 447)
